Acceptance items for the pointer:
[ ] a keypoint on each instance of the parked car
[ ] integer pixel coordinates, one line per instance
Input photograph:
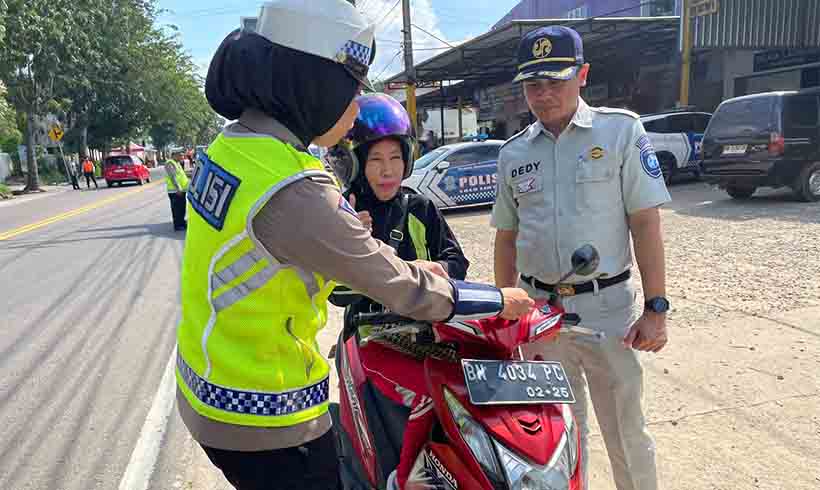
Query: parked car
(677, 137)
(125, 168)
(461, 174)
(765, 140)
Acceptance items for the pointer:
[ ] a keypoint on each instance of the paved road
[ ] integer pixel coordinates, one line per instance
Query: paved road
(88, 310)
(88, 306)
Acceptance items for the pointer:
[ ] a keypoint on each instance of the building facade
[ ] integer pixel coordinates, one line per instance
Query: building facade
(579, 9)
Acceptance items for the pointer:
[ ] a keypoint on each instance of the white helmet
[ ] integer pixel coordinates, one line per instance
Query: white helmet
(331, 29)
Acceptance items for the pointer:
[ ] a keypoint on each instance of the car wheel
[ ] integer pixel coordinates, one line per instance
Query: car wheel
(807, 186)
(668, 166)
(740, 192)
(140, 182)
(108, 183)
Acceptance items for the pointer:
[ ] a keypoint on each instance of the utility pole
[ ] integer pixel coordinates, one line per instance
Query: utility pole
(686, 52)
(409, 67)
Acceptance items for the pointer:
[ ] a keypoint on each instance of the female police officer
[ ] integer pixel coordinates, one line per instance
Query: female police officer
(268, 231)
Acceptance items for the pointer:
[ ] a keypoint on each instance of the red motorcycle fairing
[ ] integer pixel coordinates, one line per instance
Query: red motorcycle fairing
(532, 431)
(496, 338)
(354, 421)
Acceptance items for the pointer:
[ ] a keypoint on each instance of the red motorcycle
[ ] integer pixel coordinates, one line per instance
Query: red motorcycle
(501, 422)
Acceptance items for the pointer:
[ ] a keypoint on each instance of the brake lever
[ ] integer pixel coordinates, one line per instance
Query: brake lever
(584, 331)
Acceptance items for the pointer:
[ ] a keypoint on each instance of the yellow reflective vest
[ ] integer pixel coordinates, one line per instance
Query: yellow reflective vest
(179, 173)
(247, 350)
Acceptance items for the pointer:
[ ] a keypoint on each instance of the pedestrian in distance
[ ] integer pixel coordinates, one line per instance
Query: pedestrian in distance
(176, 183)
(88, 172)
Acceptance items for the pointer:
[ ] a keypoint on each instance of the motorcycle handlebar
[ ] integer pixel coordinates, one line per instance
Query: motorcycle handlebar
(571, 319)
(360, 319)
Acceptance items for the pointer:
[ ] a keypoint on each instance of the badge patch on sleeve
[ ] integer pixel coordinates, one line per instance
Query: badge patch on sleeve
(345, 206)
(211, 191)
(649, 160)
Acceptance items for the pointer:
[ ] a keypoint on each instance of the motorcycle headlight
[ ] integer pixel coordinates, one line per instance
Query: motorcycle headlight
(475, 436)
(556, 475)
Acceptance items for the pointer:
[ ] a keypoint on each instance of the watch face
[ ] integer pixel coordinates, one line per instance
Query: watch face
(659, 305)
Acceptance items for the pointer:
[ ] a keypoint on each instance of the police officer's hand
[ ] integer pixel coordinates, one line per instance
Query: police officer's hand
(516, 303)
(364, 216)
(433, 267)
(648, 334)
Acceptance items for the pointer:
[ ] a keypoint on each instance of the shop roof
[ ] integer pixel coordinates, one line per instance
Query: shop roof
(491, 57)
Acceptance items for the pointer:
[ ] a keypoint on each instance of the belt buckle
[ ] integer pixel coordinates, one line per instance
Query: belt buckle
(565, 290)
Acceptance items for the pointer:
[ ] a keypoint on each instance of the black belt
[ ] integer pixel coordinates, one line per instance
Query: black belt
(573, 289)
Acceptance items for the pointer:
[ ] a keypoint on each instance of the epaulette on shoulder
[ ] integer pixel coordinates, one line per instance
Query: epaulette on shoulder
(515, 137)
(612, 110)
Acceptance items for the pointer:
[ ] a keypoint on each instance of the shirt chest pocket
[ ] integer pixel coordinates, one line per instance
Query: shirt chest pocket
(528, 189)
(598, 186)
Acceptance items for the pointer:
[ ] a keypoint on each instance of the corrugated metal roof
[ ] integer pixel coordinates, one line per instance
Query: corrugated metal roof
(493, 54)
(760, 24)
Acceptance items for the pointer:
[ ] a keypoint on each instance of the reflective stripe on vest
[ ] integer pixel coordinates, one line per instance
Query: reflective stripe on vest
(247, 340)
(251, 402)
(418, 236)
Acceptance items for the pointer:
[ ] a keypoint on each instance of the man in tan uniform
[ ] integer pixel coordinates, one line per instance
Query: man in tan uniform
(583, 175)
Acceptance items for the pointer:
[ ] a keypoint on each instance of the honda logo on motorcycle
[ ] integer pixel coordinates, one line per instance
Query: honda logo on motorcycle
(439, 470)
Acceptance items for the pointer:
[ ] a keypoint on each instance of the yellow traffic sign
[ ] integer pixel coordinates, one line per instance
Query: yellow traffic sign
(56, 133)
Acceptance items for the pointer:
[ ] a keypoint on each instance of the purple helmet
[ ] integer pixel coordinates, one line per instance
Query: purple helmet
(380, 116)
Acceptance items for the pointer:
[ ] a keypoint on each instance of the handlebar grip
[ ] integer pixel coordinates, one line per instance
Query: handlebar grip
(571, 319)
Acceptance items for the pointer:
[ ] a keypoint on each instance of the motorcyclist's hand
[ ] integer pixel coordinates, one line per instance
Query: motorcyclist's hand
(648, 334)
(517, 303)
(364, 216)
(433, 267)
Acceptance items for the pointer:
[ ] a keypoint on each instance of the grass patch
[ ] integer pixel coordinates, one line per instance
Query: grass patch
(52, 178)
(5, 192)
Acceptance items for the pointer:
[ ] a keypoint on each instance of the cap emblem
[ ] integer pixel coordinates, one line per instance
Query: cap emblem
(542, 47)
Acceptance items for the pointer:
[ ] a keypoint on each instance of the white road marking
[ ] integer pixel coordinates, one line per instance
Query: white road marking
(144, 457)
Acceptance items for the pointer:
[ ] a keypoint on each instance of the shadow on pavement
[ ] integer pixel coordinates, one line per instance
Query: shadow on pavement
(778, 205)
(159, 230)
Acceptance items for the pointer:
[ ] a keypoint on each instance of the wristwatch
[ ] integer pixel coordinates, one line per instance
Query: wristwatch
(657, 304)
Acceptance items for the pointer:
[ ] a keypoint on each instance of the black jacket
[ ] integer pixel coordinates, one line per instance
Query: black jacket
(441, 243)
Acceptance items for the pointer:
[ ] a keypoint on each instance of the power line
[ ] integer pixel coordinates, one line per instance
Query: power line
(432, 35)
(389, 12)
(378, 77)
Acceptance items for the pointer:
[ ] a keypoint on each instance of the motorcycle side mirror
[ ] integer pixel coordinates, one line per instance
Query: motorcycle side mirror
(585, 260)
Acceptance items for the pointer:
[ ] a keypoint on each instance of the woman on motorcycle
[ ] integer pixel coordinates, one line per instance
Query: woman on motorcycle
(381, 145)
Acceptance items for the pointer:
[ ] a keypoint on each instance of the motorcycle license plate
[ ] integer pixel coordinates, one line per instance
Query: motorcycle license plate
(516, 382)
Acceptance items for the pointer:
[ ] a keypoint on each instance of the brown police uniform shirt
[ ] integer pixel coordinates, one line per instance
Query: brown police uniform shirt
(307, 224)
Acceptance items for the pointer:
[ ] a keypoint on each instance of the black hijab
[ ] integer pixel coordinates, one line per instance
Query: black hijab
(306, 93)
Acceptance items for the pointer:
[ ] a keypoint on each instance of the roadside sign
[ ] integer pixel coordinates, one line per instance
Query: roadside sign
(56, 133)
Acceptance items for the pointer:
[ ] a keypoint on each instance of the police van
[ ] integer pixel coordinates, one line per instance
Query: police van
(677, 137)
(461, 174)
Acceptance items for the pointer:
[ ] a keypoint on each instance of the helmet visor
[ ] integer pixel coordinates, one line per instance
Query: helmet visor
(379, 117)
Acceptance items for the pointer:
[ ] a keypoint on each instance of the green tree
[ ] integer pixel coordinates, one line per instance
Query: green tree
(42, 31)
(8, 121)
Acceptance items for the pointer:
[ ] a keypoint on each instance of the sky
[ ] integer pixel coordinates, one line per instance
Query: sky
(203, 24)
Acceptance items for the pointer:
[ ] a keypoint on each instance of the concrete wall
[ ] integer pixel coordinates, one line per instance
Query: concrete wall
(736, 63)
(5, 166)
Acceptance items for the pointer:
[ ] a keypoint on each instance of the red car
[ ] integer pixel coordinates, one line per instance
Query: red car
(125, 168)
